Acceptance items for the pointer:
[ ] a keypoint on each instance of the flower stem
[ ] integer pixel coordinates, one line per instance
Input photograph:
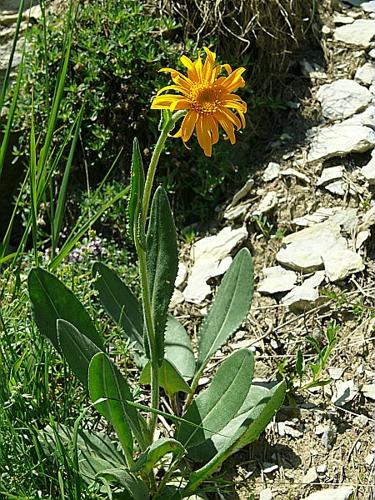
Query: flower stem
(141, 251)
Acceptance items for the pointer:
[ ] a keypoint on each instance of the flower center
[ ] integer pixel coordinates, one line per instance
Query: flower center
(205, 98)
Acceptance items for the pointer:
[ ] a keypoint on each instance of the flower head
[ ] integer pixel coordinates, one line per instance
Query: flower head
(208, 99)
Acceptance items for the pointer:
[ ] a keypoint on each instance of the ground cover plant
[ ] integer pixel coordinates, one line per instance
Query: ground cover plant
(210, 426)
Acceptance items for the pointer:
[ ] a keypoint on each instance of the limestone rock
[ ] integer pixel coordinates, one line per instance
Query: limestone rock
(244, 191)
(343, 493)
(340, 140)
(211, 258)
(340, 19)
(302, 251)
(368, 171)
(368, 6)
(336, 187)
(272, 172)
(330, 174)
(237, 211)
(365, 74)
(342, 99)
(295, 173)
(341, 263)
(345, 392)
(267, 204)
(277, 279)
(305, 296)
(366, 118)
(310, 477)
(360, 33)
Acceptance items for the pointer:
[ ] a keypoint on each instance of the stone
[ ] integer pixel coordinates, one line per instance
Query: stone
(368, 6)
(244, 191)
(340, 140)
(345, 392)
(320, 215)
(372, 53)
(335, 373)
(321, 469)
(362, 236)
(368, 171)
(368, 219)
(303, 251)
(340, 19)
(269, 468)
(238, 211)
(272, 172)
(277, 279)
(330, 174)
(211, 257)
(341, 262)
(337, 187)
(266, 494)
(360, 33)
(342, 493)
(177, 298)
(312, 70)
(181, 275)
(365, 74)
(295, 173)
(310, 477)
(343, 98)
(306, 296)
(369, 459)
(329, 436)
(267, 204)
(366, 118)
(368, 391)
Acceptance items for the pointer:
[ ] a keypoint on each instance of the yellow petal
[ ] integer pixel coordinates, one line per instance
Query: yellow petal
(188, 124)
(204, 138)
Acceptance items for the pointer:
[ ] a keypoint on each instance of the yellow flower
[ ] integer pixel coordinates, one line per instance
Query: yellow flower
(208, 99)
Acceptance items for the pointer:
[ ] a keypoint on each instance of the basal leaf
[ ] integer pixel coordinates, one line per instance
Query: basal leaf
(157, 450)
(134, 485)
(106, 382)
(162, 262)
(169, 378)
(120, 303)
(51, 301)
(178, 348)
(215, 407)
(231, 305)
(77, 349)
(136, 189)
(256, 412)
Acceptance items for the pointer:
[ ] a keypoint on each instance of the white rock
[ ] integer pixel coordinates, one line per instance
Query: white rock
(177, 298)
(368, 6)
(335, 373)
(360, 420)
(181, 274)
(310, 477)
(360, 33)
(266, 494)
(272, 172)
(372, 89)
(320, 429)
(343, 493)
(321, 215)
(321, 469)
(366, 118)
(305, 296)
(237, 211)
(341, 263)
(277, 279)
(340, 19)
(365, 74)
(267, 204)
(368, 219)
(368, 391)
(244, 191)
(303, 251)
(345, 392)
(343, 98)
(369, 459)
(295, 173)
(372, 53)
(337, 187)
(362, 236)
(368, 171)
(269, 468)
(312, 70)
(211, 258)
(340, 140)
(330, 174)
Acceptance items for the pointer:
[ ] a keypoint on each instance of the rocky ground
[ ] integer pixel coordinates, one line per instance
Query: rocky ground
(308, 218)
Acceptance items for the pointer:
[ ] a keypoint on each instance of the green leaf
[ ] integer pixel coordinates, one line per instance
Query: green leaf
(77, 349)
(134, 486)
(51, 301)
(155, 452)
(169, 378)
(232, 303)
(178, 348)
(256, 412)
(162, 262)
(106, 382)
(136, 190)
(215, 407)
(120, 303)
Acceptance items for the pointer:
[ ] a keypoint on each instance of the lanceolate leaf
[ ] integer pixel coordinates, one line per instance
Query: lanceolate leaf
(134, 486)
(51, 301)
(169, 378)
(215, 407)
(255, 414)
(120, 303)
(77, 349)
(162, 263)
(136, 189)
(155, 452)
(178, 348)
(106, 382)
(232, 303)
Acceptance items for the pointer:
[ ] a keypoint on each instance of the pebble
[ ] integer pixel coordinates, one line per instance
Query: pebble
(368, 391)
(244, 191)
(277, 279)
(369, 459)
(368, 171)
(362, 236)
(306, 296)
(272, 172)
(269, 468)
(342, 99)
(345, 392)
(267, 204)
(365, 74)
(181, 275)
(335, 373)
(310, 477)
(266, 494)
(295, 173)
(368, 6)
(360, 33)
(330, 174)
(321, 469)
(340, 19)
(340, 264)
(343, 493)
